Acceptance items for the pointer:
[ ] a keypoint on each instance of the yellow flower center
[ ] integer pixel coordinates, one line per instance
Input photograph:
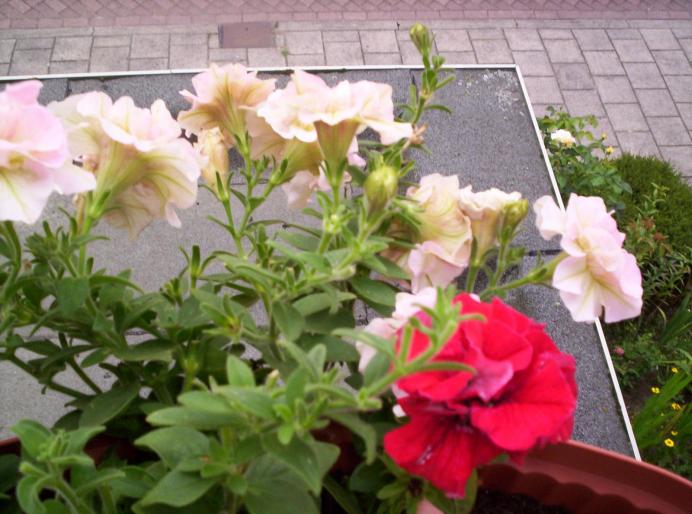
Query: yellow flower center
(655, 390)
(669, 443)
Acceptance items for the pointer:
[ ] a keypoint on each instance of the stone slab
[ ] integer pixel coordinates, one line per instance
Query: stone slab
(488, 141)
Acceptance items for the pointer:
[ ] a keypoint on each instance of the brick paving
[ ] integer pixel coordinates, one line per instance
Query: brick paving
(634, 75)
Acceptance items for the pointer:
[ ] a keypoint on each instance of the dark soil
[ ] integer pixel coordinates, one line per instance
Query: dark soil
(499, 502)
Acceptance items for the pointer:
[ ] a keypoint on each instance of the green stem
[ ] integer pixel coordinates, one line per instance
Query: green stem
(76, 504)
(85, 378)
(49, 384)
(536, 276)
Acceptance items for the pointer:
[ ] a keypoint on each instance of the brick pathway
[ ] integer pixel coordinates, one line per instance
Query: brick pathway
(635, 75)
(90, 13)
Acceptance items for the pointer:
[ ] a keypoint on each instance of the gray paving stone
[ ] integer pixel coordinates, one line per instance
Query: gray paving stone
(669, 131)
(344, 53)
(190, 39)
(452, 41)
(604, 63)
(543, 90)
(583, 103)
(30, 62)
(151, 63)
(308, 42)
(149, 45)
(632, 50)
(382, 58)
(683, 32)
(68, 67)
(486, 34)
(380, 41)
(342, 35)
(615, 90)
(638, 143)
(410, 55)
(265, 57)
(686, 114)
(680, 87)
(100, 41)
(492, 51)
(626, 117)
(672, 62)
(213, 41)
(605, 131)
(523, 39)
(457, 58)
(540, 110)
(305, 60)
(6, 47)
(656, 102)
(624, 34)
(227, 55)
(593, 39)
(533, 63)
(686, 45)
(680, 156)
(563, 50)
(189, 56)
(71, 48)
(4, 69)
(109, 58)
(660, 39)
(573, 76)
(644, 75)
(34, 43)
(555, 34)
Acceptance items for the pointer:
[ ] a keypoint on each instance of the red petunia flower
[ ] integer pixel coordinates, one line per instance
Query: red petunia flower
(522, 395)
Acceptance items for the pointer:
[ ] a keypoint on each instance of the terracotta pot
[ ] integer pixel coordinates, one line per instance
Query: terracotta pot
(589, 480)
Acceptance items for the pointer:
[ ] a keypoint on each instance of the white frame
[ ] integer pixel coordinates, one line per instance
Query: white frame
(513, 67)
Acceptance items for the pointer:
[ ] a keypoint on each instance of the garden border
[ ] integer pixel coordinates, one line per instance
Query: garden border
(513, 67)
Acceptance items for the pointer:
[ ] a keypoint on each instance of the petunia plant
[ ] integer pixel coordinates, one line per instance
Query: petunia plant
(250, 389)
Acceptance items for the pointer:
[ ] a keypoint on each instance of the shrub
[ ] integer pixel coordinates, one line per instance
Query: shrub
(672, 218)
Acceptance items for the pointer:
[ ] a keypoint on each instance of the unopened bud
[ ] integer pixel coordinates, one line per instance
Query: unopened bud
(515, 212)
(212, 146)
(420, 35)
(380, 187)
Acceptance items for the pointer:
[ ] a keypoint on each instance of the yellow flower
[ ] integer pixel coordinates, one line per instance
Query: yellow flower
(674, 370)
(604, 135)
(609, 150)
(655, 390)
(669, 443)
(673, 432)
(675, 406)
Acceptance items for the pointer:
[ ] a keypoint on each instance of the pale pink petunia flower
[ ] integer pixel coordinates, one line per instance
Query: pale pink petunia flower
(34, 157)
(596, 273)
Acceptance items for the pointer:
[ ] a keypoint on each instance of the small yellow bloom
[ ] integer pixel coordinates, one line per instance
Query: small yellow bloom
(655, 390)
(675, 406)
(609, 150)
(669, 443)
(673, 432)
(604, 135)
(674, 370)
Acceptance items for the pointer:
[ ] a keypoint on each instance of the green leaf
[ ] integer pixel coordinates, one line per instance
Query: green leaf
(77, 439)
(289, 320)
(106, 406)
(55, 507)
(361, 428)
(9, 472)
(378, 295)
(99, 478)
(385, 346)
(178, 489)
(317, 302)
(28, 490)
(255, 401)
(32, 435)
(368, 478)
(385, 267)
(154, 350)
(71, 294)
(298, 456)
(238, 373)
(324, 323)
(345, 498)
(174, 444)
(273, 488)
(135, 483)
(300, 241)
(194, 418)
(377, 367)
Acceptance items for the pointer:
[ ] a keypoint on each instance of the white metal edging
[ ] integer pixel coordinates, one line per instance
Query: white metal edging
(599, 327)
(539, 136)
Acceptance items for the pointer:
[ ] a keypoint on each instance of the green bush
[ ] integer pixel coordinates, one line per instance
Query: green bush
(673, 217)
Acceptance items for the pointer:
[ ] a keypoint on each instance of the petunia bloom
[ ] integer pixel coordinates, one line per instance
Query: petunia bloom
(140, 161)
(34, 158)
(522, 395)
(596, 273)
(485, 211)
(563, 137)
(222, 96)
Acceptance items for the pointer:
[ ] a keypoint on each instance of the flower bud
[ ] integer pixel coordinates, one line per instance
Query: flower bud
(515, 212)
(212, 146)
(420, 35)
(380, 187)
